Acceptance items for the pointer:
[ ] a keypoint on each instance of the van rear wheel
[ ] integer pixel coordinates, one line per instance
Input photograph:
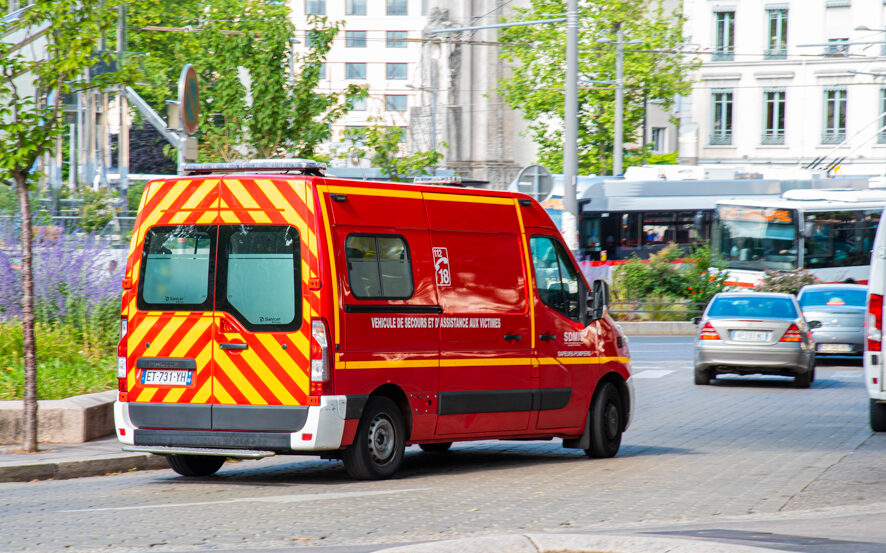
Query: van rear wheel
(377, 451)
(607, 422)
(195, 465)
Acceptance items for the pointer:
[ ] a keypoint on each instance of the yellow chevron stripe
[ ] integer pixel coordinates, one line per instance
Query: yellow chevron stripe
(171, 327)
(174, 395)
(373, 192)
(137, 335)
(260, 368)
(468, 199)
(239, 192)
(287, 362)
(220, 393)
(187, 341)
(203, 189)
(203, 394)
(243, 385)
(146, 395)
(301, 341)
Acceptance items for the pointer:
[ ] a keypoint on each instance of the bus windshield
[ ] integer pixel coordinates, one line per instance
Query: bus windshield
(839, 238)
(757, 238)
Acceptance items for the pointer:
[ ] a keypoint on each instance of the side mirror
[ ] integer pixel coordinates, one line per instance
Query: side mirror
(814, 324)
(599, 299)
(696, 320)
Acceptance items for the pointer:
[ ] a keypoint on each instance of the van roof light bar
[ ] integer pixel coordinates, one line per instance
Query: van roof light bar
(302, 166)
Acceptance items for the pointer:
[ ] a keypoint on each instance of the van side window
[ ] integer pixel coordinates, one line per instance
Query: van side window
(555, 277)
(379, 266)
(176, 268)
(260, 276)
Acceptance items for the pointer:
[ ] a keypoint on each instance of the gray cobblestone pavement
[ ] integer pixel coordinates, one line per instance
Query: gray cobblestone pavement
(743, 453)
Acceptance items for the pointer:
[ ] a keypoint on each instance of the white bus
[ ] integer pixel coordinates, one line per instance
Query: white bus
(828, 232)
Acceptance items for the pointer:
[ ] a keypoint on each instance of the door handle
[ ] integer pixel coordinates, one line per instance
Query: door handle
(233, 346)
(547, 337)
(512, 337)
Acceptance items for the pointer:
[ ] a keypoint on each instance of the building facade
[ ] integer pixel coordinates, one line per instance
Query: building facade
(438, 87)
(785, 83)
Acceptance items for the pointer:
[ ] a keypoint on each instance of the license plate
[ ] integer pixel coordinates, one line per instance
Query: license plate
(750, 336)
(834, 348)
(165, 377)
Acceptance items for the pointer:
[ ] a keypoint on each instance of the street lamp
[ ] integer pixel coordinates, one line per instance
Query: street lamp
(618, 138)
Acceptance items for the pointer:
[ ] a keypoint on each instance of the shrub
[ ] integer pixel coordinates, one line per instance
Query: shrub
(785, 281)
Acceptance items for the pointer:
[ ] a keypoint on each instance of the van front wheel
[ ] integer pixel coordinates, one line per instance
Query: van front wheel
(377, 451)
(195, 465)
(607, 422)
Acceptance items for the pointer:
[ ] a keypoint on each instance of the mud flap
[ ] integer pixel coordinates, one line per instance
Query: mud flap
(583, 441)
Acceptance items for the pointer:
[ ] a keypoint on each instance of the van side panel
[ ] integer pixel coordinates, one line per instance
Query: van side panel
(175, 336)
(274, 367)
(485, 329)
(389, 334)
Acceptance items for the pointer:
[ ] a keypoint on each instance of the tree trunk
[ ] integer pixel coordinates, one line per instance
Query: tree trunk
(30, 400)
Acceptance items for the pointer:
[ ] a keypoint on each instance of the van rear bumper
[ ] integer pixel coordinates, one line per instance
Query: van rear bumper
(321, 429)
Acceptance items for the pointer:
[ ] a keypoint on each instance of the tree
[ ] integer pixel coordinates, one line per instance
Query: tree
(653, 70)
(43, 54)
(382, 146)
(250, 104)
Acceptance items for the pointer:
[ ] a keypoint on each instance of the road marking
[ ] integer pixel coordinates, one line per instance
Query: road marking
(652, 373)
(300, 498)
(847, 375)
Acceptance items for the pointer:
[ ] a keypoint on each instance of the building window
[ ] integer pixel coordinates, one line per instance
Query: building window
(315, 7)
(395, 71)
(397, 7)
(721, 132)
(778, 34)
(773, 130)
(357, 104)
(659, 140)
(321, 69)
(837, 47)
(396, 39)
(395, 102)
(355, 39)
(881, 136)
(724, 49)
(355, 7)
(402, 137)
(310, 38)
(355, 70)
(834, 116)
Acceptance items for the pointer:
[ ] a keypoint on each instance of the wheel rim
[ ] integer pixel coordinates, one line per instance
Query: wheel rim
(381, 439)
(611, 420)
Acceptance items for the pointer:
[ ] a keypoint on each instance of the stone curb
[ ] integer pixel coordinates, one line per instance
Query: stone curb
(71, 420)
(62, 470)
(574, 543)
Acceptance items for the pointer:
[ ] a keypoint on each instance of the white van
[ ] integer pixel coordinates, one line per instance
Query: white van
(873, 326)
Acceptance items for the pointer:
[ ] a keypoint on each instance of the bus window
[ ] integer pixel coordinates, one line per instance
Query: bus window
(757, 238)
(839, 238)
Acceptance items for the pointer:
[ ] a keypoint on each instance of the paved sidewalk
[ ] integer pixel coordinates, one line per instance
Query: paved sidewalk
(61, 461)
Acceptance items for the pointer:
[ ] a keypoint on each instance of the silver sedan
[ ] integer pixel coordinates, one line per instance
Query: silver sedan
(754, 333)
(840, 308)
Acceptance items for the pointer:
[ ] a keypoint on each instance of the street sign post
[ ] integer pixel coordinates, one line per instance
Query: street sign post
(189, 100)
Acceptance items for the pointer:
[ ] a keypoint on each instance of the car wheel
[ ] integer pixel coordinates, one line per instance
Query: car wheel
(195, 465)
(702, 377)
(878, 416)
(440, 447)
(377, 451)
(607, 422)
(804, 380)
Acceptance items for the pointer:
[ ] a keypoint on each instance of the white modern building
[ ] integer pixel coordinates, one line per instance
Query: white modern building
(784, 83)
(440, 88)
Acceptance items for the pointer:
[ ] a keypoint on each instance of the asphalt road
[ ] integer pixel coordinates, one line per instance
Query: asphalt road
(748, 460)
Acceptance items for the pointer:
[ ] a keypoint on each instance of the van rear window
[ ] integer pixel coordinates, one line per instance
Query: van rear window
(176, 268)
(378, 266)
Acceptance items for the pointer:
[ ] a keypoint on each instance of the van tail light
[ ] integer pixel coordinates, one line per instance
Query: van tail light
(873, 323)
(707, 332)
(121, 355)
(792, 334)
(321, 381)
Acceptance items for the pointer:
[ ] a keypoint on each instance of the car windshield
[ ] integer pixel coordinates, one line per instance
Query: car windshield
(833, 297)
(756, 307)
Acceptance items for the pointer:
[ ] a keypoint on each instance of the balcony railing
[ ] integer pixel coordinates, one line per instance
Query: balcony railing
(721, 139)
(833, 137)
(772, 138)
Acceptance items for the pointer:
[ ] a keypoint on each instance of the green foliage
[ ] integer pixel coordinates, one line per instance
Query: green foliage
(67, 364)
(653, 70)
(97, 209)
(677, 286)
(789, 282)
(134, 195)
(8, 201)
(249, 104)
(382, 146)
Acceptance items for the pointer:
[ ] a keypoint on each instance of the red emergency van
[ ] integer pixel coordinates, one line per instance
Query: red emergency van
(268, 309)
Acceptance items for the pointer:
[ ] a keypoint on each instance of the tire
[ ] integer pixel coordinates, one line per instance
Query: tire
(878, 416)
(804, 380)
(607, 422)
(702, 377)
(377, 451)
(195, 465)
(440, 447)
